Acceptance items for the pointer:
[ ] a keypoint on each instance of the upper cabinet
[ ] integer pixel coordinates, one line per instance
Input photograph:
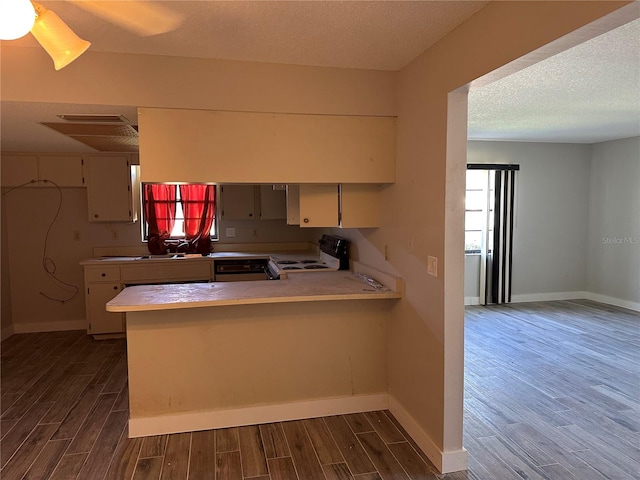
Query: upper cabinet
(273, 202)
(344, 206)
(60, 170)
(263, 148)
(109, 192)
(238, 202)
(252, 202)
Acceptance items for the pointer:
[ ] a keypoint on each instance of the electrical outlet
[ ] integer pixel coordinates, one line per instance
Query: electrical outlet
(432, 266)
(114, 234)
(230, 232)
(76, 235)
(254, 232)
(387, 254)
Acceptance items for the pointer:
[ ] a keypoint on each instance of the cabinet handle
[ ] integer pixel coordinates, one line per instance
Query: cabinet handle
(95, 215)
(104, 274)
(115, 288)
(306, 220)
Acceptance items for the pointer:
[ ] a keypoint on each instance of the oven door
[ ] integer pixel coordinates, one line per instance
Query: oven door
(240, 277)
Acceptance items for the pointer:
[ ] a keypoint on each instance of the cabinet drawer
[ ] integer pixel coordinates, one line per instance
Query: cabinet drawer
(102, 274)
(162, 272)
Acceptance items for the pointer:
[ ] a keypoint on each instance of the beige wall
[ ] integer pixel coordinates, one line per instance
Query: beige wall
(30, 211)
(424, 206)
(160, 81)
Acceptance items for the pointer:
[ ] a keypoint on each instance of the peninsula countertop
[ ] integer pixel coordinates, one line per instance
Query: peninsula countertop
(305, 287)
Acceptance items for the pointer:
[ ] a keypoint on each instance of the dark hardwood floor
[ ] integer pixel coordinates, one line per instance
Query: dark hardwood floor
(552, 392)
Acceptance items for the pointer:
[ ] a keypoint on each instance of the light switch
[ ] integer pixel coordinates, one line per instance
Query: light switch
(432, 266)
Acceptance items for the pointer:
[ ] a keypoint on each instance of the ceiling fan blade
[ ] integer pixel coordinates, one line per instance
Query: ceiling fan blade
(143, 18)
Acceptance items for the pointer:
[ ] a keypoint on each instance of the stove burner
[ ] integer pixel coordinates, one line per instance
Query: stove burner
(292, 268)
(314, 267)
(308, 261)
(286, 262)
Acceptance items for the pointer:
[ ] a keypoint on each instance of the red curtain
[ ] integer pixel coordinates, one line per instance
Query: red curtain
(160, 211)
(198, 207)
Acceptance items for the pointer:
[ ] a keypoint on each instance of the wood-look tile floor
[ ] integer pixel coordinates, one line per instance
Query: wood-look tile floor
(552, 392)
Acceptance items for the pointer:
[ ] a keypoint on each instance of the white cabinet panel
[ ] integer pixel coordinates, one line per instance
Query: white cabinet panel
(261, 148)
(293, 204)
(319, 205)
(99, 320)
(238, 202)
(273, 203)
(109, 189)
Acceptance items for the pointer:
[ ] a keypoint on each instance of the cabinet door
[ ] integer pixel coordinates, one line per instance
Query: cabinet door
(18, 169)
(63, 170)
(98, 319)
(109, 189)
(238, 202)
(273, 203)
(319, 205)
(359, 206)
(293, 204)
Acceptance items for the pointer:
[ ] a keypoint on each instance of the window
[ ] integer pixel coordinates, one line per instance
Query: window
(478, 210)
(185, 212)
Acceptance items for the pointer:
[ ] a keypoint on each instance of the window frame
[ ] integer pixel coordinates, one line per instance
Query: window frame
(144, 225)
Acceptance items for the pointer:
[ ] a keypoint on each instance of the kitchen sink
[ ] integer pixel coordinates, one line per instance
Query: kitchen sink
(161, 256)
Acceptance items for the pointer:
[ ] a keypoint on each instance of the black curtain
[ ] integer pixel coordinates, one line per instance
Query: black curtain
(498, 257)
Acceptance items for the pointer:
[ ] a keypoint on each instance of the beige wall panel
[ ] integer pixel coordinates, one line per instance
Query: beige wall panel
(63, 170)
(18, 169)
(242, 147)
(203, 359)
(175, 82)
(360, 206)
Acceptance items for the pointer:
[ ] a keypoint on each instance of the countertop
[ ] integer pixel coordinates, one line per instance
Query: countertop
(191, 257)
(307, 287)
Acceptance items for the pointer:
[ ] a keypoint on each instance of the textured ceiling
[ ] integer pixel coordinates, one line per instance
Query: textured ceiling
(381, 35)
(587, 94)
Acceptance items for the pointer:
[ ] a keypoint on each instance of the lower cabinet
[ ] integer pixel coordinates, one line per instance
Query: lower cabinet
(103, 282)
(99, 321)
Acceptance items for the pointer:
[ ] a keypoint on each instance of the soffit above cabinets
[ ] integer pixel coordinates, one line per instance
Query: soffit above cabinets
(102, 137)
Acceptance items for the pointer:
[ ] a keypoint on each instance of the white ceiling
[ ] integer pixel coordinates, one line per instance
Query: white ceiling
(383, 35)
(587, 94)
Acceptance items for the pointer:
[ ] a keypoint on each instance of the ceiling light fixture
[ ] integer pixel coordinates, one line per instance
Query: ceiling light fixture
(16, 18)
(60, 42)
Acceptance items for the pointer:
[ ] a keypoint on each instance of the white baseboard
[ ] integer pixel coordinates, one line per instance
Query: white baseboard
(618, 302)
(546, 297)
(445, 462)
(235, 417)
(49, 326)
(472, 300)
(6, 332)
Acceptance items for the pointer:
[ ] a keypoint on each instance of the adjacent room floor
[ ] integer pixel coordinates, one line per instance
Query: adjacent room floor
(552, 392)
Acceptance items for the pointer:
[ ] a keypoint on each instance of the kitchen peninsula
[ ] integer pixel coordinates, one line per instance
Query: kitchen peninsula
(220, 354)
